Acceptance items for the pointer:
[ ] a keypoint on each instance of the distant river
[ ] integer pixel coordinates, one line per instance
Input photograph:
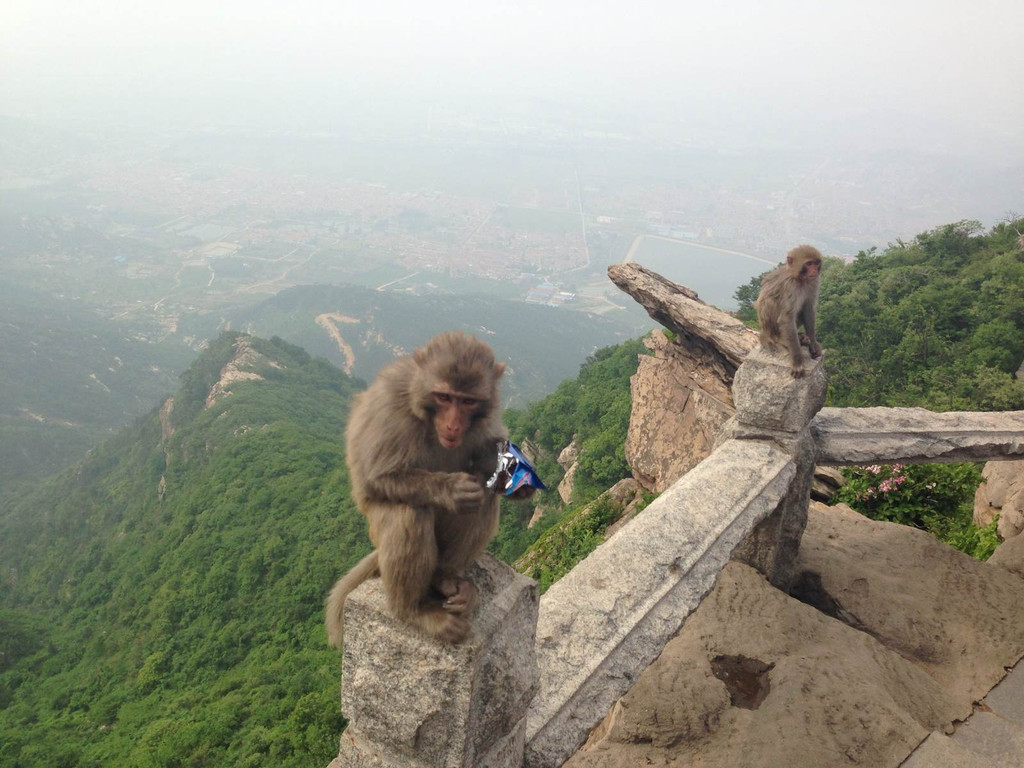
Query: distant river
(713, 273)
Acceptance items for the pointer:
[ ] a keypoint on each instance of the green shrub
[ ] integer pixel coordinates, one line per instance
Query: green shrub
(938, 498)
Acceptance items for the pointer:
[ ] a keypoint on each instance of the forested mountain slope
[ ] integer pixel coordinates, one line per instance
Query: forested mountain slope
(361, 329)
(161, 601)
(70, 377)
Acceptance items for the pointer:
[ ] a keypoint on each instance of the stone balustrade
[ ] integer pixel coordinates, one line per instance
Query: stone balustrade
(916, 436)
(532, 681)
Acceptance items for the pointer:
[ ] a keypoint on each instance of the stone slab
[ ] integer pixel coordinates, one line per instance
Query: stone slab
(992, 737)
(916, 435)
(938, 751)
(1007, 698)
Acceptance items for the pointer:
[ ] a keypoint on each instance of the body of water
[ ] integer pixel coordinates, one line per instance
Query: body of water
(714, 274)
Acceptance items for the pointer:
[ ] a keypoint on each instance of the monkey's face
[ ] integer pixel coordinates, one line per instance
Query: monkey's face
(804, 269)
(454, 413)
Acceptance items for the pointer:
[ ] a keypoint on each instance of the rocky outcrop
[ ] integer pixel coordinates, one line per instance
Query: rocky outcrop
(896, 636)
(680, 399)
(699, 326)
(959, 619)
(239, 368)
(166, 433)
(826, 483)
(567, 461)
(828, 695)
(1001, 493)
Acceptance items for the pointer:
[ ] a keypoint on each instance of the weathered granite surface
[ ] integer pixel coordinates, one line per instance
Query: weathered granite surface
(567, 460)
(916, 435)
(679, 404)
(1010, 556)
(959, 619)
(412, 701)
(609, 617)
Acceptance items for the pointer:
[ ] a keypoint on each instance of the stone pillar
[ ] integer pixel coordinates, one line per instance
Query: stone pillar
(412, 702)
(772, 405)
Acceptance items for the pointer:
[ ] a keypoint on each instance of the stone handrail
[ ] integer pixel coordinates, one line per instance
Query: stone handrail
(915, 436)
(606, 620)
(533, 681)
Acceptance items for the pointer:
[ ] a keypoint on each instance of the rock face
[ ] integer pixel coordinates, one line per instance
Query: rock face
(900, 635)
(830, 695)
(1001, 493)
(959, 619)
(237, 369)
(680, 401)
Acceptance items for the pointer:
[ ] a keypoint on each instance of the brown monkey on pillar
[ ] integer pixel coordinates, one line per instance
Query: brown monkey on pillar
(789, 297)
(421, 441)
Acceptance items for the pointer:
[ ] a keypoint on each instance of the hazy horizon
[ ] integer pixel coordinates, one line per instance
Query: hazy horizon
(926, 76)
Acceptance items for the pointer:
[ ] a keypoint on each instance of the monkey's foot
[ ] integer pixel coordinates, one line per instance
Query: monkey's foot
(460, 595)
(445, 627)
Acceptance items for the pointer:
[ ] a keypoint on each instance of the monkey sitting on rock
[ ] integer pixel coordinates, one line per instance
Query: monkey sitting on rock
(789, 298)
(420, 443)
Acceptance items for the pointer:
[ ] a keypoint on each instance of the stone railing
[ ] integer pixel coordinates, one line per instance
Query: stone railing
(536, 676)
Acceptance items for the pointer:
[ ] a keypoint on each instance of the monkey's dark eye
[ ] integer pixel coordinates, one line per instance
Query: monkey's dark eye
(470, 401)
(442, 397)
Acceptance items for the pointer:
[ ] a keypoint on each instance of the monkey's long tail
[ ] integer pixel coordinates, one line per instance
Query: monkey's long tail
(335, 617)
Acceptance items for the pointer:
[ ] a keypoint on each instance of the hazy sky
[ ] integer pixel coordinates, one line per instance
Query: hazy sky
(937, 72)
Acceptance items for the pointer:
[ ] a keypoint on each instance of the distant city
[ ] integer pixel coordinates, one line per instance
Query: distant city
(163, 225)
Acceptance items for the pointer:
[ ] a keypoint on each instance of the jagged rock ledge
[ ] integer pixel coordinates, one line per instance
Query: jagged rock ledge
(681, 311)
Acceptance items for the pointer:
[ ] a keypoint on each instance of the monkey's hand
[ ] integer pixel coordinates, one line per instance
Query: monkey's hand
(798, 370)
(815, 349)
(522, 493)
(467, 493)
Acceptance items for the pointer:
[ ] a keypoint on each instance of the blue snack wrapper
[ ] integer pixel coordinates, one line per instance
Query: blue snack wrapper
(513, 472)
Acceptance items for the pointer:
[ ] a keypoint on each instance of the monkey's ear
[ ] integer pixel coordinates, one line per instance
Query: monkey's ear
(499, 368)
(789, 260)
(420, 356)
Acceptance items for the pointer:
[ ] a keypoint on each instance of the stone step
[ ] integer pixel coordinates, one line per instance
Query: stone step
(993, 737)
(939, 751)
(1007, 698)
